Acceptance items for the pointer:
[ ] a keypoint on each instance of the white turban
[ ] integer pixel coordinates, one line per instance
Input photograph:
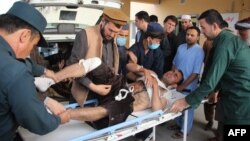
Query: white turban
(186, 17)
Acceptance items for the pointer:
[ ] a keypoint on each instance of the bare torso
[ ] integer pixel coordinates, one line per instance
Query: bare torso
(141, 96)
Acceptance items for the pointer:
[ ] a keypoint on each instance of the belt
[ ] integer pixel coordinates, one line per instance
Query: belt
(186, 90)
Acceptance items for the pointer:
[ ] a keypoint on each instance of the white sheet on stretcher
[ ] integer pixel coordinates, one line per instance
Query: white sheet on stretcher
(75, 128)
(64, 132)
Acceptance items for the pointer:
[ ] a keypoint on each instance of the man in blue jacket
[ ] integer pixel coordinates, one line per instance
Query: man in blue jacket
(20, 31)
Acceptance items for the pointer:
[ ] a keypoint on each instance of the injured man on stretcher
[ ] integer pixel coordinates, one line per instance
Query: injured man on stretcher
(121, 100)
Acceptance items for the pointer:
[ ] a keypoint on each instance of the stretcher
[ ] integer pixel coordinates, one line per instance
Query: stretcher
(81, 131)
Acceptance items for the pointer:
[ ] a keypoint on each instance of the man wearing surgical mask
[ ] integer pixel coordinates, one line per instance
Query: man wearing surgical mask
(124, 53)
(149, 56)
(121, 41)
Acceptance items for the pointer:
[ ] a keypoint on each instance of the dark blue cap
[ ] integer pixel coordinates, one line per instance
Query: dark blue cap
(29, 14)
(155, 28)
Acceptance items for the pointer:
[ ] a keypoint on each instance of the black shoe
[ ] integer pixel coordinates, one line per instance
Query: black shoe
(209, 126)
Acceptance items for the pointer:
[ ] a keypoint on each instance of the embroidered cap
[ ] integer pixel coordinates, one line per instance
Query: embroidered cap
(115, 15)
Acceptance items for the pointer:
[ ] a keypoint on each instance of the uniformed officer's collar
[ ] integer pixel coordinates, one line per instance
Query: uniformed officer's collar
(6, 46)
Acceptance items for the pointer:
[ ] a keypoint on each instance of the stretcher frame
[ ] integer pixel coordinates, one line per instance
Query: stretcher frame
(136, 122)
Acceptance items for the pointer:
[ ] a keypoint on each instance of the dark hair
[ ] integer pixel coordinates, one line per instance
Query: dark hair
(212, 16)
(195, 28)
(224, 24)
(182, 77)
(11, 24)
(172, 18)
(143, 15)
(153, 18)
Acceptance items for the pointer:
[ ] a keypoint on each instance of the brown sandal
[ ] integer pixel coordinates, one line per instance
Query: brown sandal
(209, 126)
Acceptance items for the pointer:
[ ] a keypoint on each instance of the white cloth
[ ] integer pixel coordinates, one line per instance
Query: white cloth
(43, 83)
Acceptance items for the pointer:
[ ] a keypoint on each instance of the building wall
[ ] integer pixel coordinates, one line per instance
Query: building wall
(126, 6)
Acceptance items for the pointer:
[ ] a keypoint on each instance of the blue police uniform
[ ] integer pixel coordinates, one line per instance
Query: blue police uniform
(19, 104)
(153, 59)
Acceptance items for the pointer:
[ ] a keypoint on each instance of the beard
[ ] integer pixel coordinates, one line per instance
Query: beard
(105, 40)
(209, 36)
(190, 43)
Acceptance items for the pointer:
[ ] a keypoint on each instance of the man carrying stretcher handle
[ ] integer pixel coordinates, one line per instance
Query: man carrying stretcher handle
(122, 99)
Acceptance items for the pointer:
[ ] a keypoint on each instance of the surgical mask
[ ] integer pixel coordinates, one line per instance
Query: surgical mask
(153, 45)
(121, 41)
